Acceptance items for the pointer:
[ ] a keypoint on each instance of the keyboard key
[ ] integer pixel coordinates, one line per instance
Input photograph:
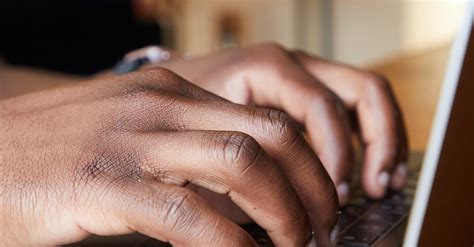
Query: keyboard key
(345, 221)
(357, 237)
(396, 198)
(377, 228)
(352, 210)
(348, 238)
(408, 201)
(389, 207)
(382, 206)
(409, 191)
(374, 216)
(363, 220)
(381, 217)
(411, 183)
(360, 201)
(349, 214)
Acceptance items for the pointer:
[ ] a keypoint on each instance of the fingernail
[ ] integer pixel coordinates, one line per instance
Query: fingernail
(343, 190)
(383, 179)
(401, 170)
(312, 242)
(334, 234)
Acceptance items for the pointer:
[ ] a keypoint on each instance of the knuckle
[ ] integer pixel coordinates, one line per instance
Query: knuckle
(272, 47)
(280, 126)
(328, 101)
(240, 152)
(379, 89)
(179, 209)
(160, 73)
(378, 83)
(142, 82)
(269, 56)
(150, 81)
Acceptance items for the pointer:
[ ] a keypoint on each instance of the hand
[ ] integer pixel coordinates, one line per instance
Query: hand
(114, 156)
(321, 95)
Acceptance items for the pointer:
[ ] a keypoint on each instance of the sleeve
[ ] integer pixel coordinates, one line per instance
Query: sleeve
(71, 36)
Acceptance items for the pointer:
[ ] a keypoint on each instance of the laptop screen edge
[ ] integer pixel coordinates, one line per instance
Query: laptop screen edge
(438, 131)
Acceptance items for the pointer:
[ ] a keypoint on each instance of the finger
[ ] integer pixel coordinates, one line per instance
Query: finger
(383, 131)
(166, 212)
(272, 129)
(233, 164)
(286, 85)
(400, 171)
(277, 134)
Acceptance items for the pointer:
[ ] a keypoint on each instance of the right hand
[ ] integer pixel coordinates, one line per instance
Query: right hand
(331, 100)
(113, 156)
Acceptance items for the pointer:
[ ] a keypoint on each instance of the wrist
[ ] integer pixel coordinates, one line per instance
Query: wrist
(15, 80)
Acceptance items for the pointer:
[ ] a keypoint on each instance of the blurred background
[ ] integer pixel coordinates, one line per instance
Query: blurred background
(406, 40)
(359, 32)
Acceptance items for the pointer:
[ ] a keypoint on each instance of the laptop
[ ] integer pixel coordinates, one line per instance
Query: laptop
(436, 208)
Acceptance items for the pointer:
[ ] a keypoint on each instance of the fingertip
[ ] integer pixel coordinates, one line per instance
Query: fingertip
(312, 242)
(383, 179)
(343, 192)
(330, 239)
(399, 176)
(334, 233)
(376, 185)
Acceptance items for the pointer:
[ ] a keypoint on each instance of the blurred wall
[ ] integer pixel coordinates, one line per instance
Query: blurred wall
(368, 31)
(201, 24)
(359, 32)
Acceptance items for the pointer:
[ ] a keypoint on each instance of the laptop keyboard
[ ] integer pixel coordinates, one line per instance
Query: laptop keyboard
(363, 221)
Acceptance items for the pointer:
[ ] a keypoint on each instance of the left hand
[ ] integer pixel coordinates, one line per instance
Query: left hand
(319, 94)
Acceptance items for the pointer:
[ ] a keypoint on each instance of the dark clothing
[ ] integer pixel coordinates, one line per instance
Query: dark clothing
(72, 36)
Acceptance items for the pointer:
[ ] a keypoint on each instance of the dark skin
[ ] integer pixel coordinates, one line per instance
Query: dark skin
(113, 156)
(320, 95)
(150, 152)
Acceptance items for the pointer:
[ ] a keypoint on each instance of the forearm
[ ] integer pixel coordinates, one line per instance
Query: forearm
(16, 80)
